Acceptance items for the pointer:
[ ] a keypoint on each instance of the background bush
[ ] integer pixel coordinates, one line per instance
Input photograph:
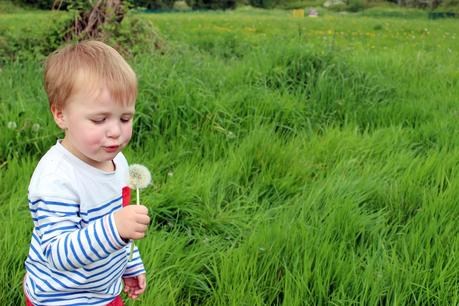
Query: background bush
(51, 4)
(211, 4)
(40, 4)
(356, 5)
(267, 4)
(153, 4)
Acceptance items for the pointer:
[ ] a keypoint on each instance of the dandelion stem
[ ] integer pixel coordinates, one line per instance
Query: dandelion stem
(137, 192)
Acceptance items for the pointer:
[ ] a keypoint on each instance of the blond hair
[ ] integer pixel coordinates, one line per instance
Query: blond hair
(88, 65)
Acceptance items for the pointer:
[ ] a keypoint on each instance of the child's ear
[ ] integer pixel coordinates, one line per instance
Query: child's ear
(58, 116)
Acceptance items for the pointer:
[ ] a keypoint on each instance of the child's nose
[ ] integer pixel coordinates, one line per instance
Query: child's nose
(114, 130)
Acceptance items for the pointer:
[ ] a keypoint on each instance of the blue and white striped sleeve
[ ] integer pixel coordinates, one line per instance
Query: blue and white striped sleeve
(64, 242)
(135, 265)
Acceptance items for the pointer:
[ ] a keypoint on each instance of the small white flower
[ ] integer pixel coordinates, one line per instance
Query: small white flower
(139, 176)
(11, 125)
(35, 127)
(170, 173)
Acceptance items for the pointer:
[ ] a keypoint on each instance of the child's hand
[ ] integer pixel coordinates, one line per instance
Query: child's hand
(132, 221)
(135, 286)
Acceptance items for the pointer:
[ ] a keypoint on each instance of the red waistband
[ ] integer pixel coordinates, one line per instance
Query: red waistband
(116, 302)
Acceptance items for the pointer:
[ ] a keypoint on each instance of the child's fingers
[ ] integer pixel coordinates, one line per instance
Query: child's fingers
(143, 219)
(142, 281)
(134, 289)
(130, 291)
(139, 291)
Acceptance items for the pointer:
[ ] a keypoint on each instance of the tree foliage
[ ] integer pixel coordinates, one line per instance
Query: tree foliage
(211, 4)
(153, 4)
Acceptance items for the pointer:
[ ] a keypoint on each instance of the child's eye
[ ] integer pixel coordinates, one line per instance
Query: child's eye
(125, 120)
(98, 120)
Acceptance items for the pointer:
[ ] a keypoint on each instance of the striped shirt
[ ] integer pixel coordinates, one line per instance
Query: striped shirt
(76, 255)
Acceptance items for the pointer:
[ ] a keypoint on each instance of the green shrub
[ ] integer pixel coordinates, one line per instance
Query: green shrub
(355, 5)
(153, 4)
(450, 3)
(211, 4)
(7, 7)
(20, 41)
(267, 4)
(48, 4)
(350, 6)
(134, 36)
(40, 4)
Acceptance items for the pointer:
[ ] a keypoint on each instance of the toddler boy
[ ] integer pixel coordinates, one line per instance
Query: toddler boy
(80, 242)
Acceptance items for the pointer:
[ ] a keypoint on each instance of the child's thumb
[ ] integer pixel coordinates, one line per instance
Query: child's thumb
(142, 282)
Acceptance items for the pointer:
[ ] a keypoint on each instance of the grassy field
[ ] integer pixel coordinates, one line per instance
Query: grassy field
(296, 161)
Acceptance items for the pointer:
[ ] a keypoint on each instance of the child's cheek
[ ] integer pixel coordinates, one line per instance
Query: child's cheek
(129, 135)
(94, 137)
(127, 132)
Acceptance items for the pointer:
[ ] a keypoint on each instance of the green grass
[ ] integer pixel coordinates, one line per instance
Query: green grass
(295, 161)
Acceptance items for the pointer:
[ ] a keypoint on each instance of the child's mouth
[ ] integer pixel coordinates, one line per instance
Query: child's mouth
(111, 149)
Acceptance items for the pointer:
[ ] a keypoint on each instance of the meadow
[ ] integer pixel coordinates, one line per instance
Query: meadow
(296, 161)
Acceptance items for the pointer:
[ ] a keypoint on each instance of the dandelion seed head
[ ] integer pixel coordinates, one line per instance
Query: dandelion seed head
(230, 135)
(11, 125)
(35, 127)
(139, 176)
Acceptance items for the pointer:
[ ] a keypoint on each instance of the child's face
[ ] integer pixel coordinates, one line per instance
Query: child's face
(96, 127)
